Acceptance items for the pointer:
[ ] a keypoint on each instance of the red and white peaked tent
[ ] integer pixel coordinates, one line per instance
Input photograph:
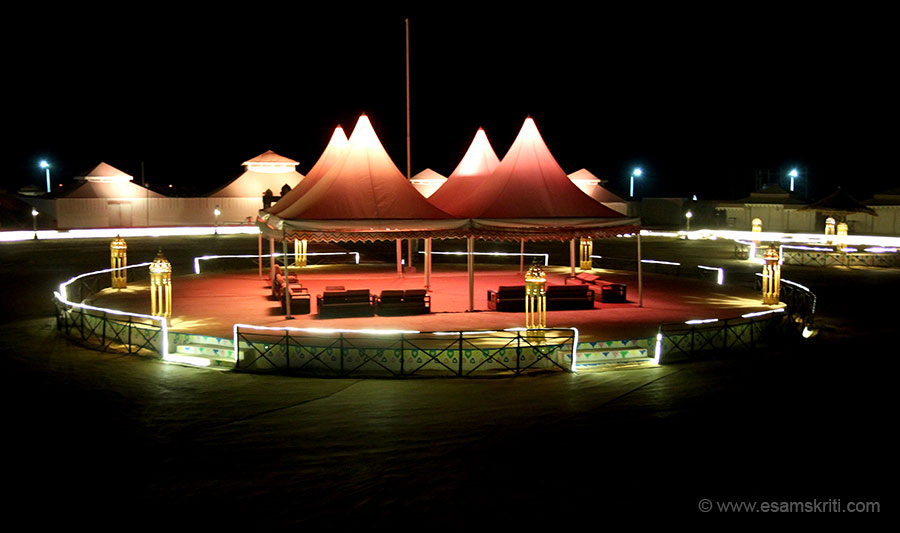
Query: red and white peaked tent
(477, 164)
(529, 183)
(363, 192)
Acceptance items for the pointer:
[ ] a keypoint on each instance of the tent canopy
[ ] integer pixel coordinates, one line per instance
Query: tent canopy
(363, 196)
(334, 152)
(106, 181)
(528, 183)
(477, 164)
(364, 184)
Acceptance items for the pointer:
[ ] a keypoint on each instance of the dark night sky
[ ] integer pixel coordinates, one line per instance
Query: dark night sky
(700, 98)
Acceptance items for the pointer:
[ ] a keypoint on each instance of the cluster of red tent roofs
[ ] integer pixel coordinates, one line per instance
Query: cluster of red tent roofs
(355, 192)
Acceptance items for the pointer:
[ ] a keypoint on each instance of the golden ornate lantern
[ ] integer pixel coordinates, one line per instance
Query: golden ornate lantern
(829, 226)
(587, 248)
(161, 286)
(535, 297)
(841, 235)
(300, 252)
(118, 260)
(771, 280)
(757, 225)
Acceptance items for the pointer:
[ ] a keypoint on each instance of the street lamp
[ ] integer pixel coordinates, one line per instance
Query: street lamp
(688, 216)
(634, 173)
(217, 213)
(793, 174)
(34, 214)
(46, 166)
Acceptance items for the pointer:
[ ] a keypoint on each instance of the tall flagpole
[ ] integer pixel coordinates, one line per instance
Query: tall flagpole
(408, 157)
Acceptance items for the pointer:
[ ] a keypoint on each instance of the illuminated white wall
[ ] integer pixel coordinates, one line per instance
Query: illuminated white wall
(143, 212)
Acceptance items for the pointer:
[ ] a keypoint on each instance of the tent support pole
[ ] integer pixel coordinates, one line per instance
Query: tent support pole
(470, 249)
(287, 280)
(260, 255)
(399, 258)
(409, 254)
(572, 256)
(428, 264)
(272, 261)
(522, 256)
(640, 272)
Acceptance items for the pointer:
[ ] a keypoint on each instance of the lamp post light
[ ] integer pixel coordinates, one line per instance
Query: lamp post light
(793, 174)
(217, 213)
(46, 166)
(688, 217)
(34, 214)
(634, 173)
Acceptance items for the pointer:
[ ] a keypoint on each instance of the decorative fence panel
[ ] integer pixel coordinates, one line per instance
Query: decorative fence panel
(349, 353)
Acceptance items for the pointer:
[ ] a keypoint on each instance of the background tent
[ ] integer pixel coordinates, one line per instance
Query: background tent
(591, 186)
(427, 182)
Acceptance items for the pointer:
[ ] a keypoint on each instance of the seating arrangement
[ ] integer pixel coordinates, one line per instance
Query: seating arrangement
(609, 292)
(345, 303)
(403, 302)
(300, 298)
(566, 297)
(559, 297)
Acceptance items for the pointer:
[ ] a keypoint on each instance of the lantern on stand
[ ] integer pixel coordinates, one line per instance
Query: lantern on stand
(771, 278)
(841, 235)
(756, 225)
(161, 286)
(535, 297)
(587, 249)
(829, 226)
(300, 252)
(118, 260)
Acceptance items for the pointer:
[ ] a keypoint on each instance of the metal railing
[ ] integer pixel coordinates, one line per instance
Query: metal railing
(403, 353)
(690, 340)
(106, 331)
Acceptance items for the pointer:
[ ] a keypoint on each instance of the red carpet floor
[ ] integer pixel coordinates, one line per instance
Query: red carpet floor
(210, 303)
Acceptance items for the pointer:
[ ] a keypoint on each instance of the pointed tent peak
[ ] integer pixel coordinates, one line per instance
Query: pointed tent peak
(105, 173)
(528, 183)
(479, 160)
(334, 153)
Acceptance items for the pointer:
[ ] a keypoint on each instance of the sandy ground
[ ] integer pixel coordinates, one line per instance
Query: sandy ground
(108, 440)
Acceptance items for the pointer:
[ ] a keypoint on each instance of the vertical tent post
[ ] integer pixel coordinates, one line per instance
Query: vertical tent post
(428, 264)
(287, 279)
(399, 258)
(572, 256)
(409, 253)
(640, 272)
(470, 250)
(260, 254)
(272, 261)
(522, 255)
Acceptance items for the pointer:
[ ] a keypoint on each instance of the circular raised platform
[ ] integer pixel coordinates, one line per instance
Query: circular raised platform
(211, 303)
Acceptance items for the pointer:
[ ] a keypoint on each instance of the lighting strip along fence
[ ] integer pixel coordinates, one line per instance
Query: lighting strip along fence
(345, 353)
(108, 329)
(691, 339)
(264, 257)
(497, 254)
(708, 273)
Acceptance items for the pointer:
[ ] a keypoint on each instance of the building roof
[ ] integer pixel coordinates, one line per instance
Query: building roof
(267, 171)
(839, 203)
